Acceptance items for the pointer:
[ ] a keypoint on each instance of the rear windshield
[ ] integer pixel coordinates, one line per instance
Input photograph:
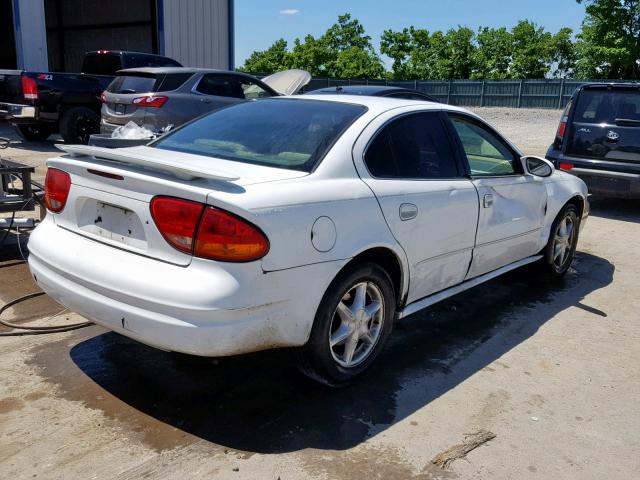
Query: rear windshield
(607, 106)
(147, 83)
(285, 133)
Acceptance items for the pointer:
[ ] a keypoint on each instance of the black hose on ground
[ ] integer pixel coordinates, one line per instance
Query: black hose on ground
(35, 330)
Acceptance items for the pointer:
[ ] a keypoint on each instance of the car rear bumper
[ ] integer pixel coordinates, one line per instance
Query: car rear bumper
(603, 178)
(206, 308)
(14, 111)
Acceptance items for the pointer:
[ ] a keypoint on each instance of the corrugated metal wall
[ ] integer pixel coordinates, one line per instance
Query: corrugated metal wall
(197, 32)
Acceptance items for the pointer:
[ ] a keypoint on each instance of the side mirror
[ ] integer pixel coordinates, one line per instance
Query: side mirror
(538, 166)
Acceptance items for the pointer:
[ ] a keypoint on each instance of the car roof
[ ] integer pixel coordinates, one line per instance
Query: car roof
(610, 85)
(377, 105)
(363, 90)
(181, 70)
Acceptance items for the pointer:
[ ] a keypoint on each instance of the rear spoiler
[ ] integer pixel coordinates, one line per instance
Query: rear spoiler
(122, 155)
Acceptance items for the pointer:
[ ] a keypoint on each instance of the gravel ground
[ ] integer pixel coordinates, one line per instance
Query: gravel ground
(532, 130)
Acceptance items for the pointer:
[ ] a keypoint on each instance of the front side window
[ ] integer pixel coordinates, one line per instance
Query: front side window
(413, 147)
(285, 133)
(487, 154)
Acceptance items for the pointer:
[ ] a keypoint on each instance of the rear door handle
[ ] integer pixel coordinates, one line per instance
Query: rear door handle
(408, 211)
(487, 201)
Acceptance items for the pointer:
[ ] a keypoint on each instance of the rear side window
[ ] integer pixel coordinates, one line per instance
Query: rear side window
(413, 146)
(232, 86)
(284, 133)
(220, 85)
(172, 81)
(101, 64)
(605, 106)
(137, 60)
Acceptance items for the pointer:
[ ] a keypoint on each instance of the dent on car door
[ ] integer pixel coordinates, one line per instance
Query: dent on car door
(512, 205)
(430, 207)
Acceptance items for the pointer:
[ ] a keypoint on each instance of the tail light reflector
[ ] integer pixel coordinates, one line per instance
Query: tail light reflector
(151, 101)
(562, 127)
(29, 88)
(207, 232)
(103, 97)
(222, 236)
(565, 166)
(56, 189)
(177, 220)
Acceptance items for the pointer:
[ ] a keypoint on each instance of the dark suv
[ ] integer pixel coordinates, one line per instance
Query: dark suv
(598, 139)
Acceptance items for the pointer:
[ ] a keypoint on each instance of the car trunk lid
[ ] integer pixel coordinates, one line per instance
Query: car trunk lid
(606, 124)
(111, 191)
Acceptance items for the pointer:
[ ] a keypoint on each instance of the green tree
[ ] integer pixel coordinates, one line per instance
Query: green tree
(271, 60)
(562, 54)
(344, 50)
(492, 56)
(531, 57)
(609, 43)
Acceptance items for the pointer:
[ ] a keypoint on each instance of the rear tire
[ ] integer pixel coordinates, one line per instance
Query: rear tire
(351, 327)
(78, 124)
(34, 133)
(561, 247)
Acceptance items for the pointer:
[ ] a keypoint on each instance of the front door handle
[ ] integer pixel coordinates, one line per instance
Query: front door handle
(408, 211)
(206, 100)
(487, 201)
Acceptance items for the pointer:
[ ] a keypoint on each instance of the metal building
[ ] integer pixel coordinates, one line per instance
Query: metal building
(53, 35)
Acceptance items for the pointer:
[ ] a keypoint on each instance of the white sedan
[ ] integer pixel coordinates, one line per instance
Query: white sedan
(313, 222)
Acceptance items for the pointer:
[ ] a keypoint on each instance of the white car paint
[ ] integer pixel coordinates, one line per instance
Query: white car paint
(138, 285)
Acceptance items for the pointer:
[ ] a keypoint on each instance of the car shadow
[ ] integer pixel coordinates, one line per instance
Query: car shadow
(258, 403)
(626, 210)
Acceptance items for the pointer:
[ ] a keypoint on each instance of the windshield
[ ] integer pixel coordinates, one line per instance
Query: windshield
(283, 133)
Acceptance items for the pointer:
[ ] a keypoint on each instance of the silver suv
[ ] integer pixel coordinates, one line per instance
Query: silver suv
(158, 97)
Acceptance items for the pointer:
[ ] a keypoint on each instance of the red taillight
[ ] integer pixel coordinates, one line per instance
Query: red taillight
(177, 220)
(103, 97)
(565, 166)
(222, 236)
(207, 232)
(562, 128)
(151, 101)
(56, 189)
(29, 88)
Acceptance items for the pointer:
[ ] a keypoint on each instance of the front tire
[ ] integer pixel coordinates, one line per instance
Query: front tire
(34, 133)
(351, 327)
(78, 124)
(563, 240)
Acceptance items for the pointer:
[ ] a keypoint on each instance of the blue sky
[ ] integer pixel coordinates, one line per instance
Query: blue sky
(260, 22)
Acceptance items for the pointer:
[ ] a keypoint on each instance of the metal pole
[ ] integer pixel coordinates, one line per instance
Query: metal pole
(482, 94)
(520, 94)
(449, 92)
(561, 93)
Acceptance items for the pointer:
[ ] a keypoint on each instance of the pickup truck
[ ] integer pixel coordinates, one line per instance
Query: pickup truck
(39, 104)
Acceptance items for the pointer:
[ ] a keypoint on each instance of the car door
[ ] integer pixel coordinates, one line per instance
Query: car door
(429, 206)
(512, 204)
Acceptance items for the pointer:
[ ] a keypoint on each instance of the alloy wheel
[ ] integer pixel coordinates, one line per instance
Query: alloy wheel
(563, 242)
(357, 324)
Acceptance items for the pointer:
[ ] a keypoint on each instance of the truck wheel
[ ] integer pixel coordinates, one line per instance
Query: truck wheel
(352, 324)
(78, 124)
(34, 133)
